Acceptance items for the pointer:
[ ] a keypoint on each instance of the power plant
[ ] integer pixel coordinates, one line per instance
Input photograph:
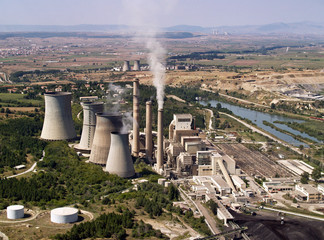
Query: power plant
(119, 159)
(159, 155)
(137, 65)
(106, 123)
(126, 66)
(148, 131)
(58, 122)
(136, 143)
(89, 125)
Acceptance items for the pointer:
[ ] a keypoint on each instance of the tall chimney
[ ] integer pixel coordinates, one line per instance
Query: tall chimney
(159, 160)
(126, 66)
(137, 65)
(148, 130)
(135, 146)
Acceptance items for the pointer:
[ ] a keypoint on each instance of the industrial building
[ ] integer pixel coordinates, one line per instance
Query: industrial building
(58, 122)
(64, 215)
(308, 193)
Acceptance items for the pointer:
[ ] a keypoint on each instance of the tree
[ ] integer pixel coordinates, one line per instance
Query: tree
(273, 106)
(316, 173)
(304, 178)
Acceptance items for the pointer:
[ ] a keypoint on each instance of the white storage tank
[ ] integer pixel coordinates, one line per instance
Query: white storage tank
(64, 215)
(15, 212)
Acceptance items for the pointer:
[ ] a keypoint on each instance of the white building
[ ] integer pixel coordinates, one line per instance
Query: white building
(308, 193)
(238, 182)
(182, 121)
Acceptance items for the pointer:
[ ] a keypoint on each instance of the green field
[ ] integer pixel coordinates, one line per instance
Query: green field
(16, 100)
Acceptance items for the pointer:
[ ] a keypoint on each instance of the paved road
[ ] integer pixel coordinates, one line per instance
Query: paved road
(296, 214)
(209, 219)
(237, 99)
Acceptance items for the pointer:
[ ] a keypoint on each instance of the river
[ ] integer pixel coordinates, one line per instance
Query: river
(258, 117)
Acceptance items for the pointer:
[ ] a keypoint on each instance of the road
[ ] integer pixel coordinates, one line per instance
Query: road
(236, 99)
(209, 219)
(296, 214)
(210, 119)
(29, 170)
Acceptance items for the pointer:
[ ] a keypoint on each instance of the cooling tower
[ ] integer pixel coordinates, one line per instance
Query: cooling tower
(136, 144)
(106, 123)
(137, 65)
(119, 159)
(58, 123)
(148, 130)
(159, 158)
(89, 125)
(126, 66)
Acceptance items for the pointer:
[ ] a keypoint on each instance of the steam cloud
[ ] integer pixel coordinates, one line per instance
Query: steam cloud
(140, 13)
(155, 59)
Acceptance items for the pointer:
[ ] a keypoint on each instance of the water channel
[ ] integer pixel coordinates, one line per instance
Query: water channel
(258, 117)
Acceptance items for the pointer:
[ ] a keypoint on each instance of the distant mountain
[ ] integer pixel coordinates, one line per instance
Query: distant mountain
(274, 28)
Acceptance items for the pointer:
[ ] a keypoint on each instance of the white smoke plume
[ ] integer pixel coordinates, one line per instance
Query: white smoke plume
(156, 59)
(144, 15)
(127, 122)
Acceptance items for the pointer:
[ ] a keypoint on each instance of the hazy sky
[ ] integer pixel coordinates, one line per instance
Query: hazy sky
(160, 12)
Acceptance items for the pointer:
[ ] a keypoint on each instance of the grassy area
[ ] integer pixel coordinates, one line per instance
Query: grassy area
(14, 99)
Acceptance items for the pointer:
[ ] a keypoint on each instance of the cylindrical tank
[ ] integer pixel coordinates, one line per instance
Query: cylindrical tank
(126, 66)
(15, 212)
(119, 159)
(159, 158)
(64, 215)
(148, 130)
(136, 144)
(106, 123)
(137, 65)
(89, 125)
(58, 123)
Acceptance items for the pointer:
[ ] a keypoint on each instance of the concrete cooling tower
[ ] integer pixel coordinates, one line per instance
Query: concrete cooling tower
(126, 66)
(137, 65)
(58, 123)
(89, 125)
(119, 159)
(106, 123)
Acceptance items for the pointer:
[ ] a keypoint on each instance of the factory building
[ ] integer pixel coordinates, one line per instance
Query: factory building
(181, 125)
(238, 182)
(58, 123)
(308, 193)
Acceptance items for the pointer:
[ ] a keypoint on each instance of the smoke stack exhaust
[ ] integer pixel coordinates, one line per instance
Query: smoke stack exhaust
(159, 160)
(135, 146)
(137, 65)
(126, 66)
(148, 130)
(119, 159)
